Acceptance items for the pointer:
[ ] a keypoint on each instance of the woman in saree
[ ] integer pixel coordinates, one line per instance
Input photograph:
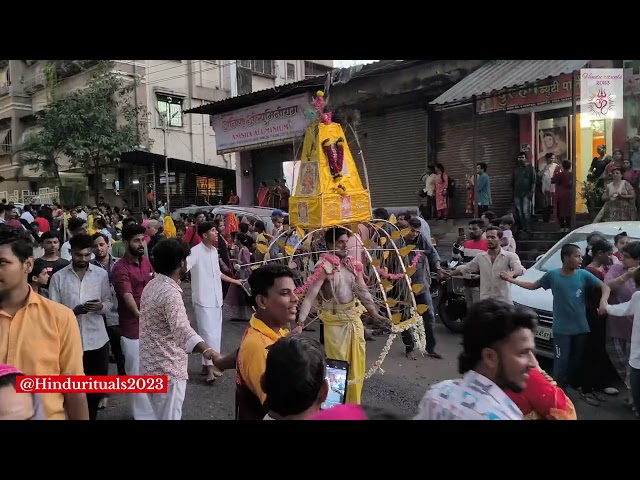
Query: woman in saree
(235, 305)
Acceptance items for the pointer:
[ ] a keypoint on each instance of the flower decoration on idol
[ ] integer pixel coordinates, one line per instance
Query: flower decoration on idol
(318, 102)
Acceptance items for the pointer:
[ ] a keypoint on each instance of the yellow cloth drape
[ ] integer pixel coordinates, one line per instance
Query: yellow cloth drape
(344, 340)
(169, 227)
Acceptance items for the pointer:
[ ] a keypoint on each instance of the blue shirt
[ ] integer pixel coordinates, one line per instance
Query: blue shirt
(482, 189)
(569, 302)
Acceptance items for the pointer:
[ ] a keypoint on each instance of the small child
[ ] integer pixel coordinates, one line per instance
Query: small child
(632, 307)
(39, 278)
(508, 242)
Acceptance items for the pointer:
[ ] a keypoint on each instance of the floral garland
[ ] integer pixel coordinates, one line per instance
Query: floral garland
(398, 276)
(419, 335)
(335, 156)
(332, 259)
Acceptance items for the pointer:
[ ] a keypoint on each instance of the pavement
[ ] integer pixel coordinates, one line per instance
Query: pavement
(401, 387)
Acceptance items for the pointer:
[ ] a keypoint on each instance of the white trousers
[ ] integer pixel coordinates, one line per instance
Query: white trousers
(168, 406)
(140, 404)
(209, 322)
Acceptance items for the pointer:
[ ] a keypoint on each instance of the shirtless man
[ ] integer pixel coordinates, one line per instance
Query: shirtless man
(344, 296)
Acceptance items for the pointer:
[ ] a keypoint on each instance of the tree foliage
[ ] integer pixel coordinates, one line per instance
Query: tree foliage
(91, 126)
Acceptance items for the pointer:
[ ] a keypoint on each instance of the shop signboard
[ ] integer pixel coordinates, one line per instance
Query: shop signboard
(271, 123)
(554, 90)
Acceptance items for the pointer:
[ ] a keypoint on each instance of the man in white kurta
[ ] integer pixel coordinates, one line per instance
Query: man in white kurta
(206, 292)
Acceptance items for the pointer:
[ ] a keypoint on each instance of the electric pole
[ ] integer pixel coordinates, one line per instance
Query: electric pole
(165, 120)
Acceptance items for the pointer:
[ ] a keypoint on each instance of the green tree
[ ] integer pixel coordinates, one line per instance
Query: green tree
(91, 126)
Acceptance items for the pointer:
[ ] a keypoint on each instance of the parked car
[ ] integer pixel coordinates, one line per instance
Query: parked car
(541, 301)
(256, 213)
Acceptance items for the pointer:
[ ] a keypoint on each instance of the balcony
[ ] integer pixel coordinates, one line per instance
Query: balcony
(35, 83)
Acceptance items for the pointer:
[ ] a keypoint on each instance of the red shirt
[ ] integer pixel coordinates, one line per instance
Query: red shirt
(130, 277)
(191, 237)
(542, 399)
(43, 223)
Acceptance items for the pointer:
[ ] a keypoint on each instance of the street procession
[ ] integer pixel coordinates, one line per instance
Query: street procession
(320, 240)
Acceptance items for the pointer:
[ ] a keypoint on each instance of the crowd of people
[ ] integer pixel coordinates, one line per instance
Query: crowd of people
(106, 288)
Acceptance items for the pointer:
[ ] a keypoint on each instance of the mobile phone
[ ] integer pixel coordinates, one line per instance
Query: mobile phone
(337, 374)
(460, 231)
(93, 301)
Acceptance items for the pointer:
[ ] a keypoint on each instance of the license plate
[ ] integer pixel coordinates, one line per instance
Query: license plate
(543, 333)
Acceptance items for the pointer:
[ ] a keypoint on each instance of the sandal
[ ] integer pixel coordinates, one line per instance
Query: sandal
(435, 355)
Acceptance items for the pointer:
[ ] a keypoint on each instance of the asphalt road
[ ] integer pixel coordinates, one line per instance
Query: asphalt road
(400, 387)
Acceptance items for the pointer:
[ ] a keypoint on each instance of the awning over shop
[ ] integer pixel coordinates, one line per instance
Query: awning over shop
(499, 75)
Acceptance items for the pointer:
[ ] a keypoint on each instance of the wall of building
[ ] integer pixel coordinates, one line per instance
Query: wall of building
(195, 82)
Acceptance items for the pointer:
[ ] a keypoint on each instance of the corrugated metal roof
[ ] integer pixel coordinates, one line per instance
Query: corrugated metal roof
(309, 84)
(499, 74)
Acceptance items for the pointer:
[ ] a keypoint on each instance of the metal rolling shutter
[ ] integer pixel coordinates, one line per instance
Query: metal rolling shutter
(454, 150)
(498, 145)
(395, 147)
(498, 142)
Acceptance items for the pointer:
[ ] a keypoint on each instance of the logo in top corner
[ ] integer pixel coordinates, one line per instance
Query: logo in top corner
(600, 103)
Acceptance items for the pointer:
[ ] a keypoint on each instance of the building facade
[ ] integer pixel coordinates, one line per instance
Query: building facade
(507, 106)
(390, 134)
(197, 174)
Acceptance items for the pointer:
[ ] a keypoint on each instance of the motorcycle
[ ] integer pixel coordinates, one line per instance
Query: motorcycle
(449, 301)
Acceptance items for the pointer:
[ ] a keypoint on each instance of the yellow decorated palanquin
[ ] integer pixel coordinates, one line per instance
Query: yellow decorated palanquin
(329, 191)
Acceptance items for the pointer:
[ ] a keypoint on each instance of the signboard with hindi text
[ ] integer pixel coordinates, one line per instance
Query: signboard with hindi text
(601, 93)
(554, 90)
(258, 126)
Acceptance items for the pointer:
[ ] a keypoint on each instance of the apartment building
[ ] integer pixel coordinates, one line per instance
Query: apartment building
(196, 173)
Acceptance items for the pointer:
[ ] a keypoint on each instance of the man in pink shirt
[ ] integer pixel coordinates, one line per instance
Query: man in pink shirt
(166, 336)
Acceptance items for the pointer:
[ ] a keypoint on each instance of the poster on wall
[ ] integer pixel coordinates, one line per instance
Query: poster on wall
(553, 137)
(601, 93)
(266, 124)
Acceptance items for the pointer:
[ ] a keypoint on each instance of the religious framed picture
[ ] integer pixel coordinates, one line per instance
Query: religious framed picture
(308, 178)
(553, 137)
(303, 212)
(345, 206)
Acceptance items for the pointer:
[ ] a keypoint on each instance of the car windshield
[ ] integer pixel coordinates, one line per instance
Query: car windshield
(552, 259)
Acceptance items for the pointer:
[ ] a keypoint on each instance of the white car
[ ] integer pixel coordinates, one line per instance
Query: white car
(541, 301)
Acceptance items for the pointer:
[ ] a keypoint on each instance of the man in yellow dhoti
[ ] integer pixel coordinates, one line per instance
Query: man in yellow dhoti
(339, 285)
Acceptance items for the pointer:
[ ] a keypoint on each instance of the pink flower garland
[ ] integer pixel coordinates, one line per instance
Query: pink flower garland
(398, 276)
(335, 261)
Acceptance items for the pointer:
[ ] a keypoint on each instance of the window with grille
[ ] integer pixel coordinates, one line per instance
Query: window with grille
(169, 109)
(263, 67)
(312, 69)
(291, 72)
(209, 187)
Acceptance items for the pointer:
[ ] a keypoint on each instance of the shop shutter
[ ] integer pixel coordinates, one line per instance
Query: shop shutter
(394, 146)
(497, 144)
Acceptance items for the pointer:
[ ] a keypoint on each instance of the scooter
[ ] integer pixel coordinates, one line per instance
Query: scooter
(448, 299)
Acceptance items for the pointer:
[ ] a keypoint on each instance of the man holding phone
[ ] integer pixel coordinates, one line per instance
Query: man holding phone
(84, 288)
